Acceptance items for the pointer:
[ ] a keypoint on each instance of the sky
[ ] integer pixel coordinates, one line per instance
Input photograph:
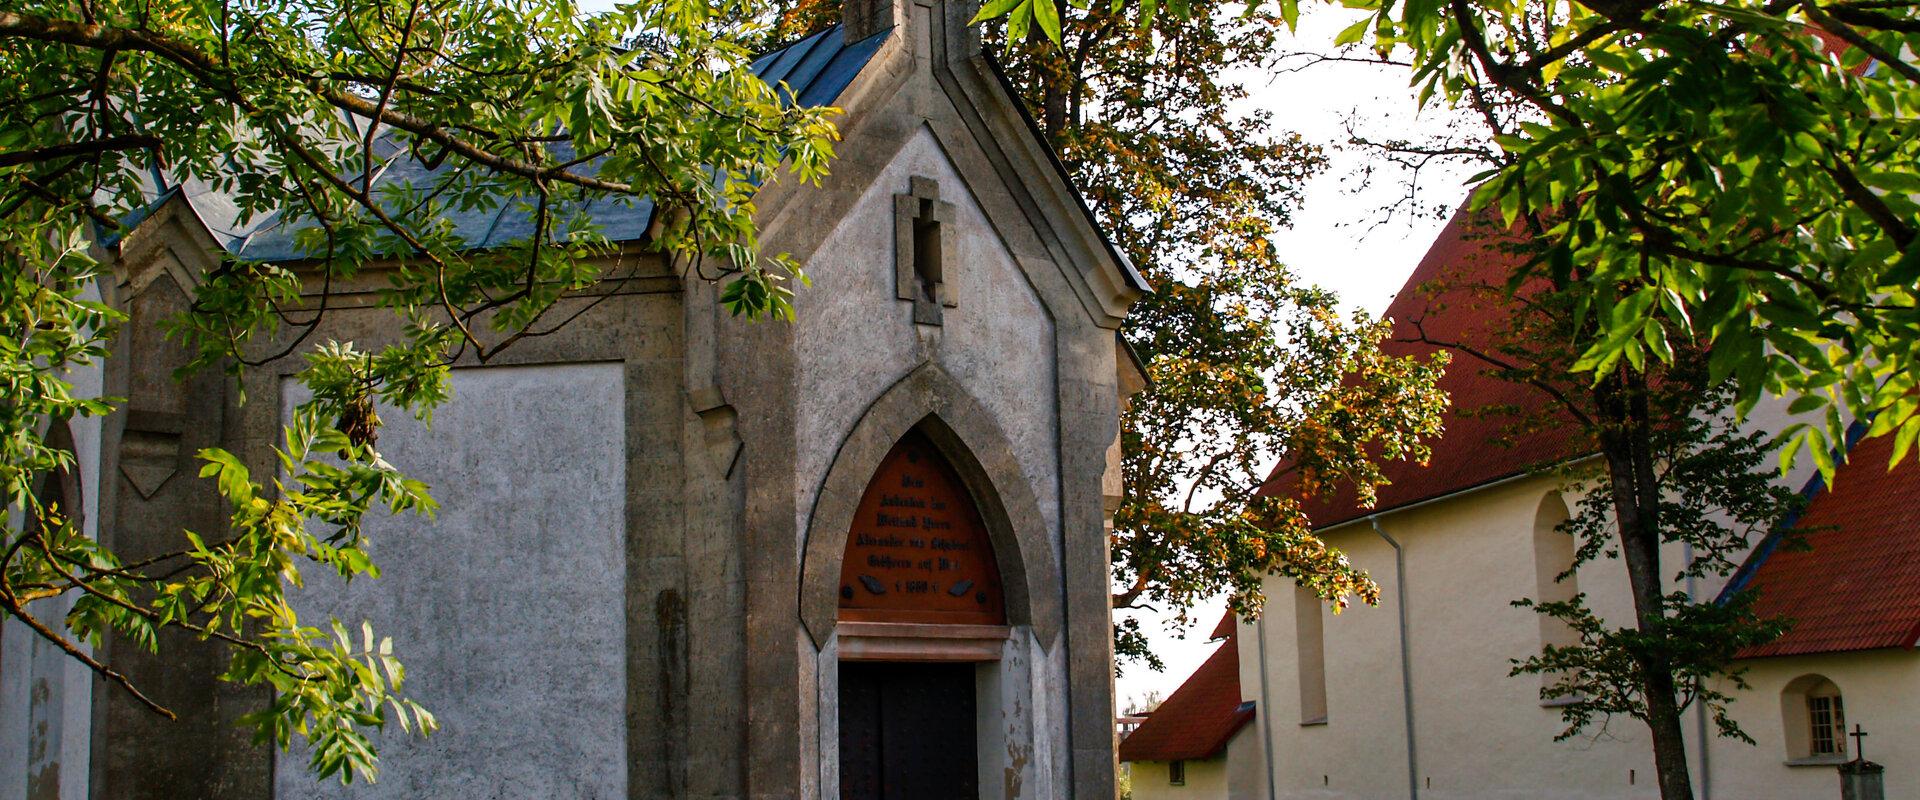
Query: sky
(1338, 240)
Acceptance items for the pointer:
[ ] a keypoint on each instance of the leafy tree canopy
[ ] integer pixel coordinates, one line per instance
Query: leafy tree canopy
(1738, 170)
(1721, 197)
(291, 107)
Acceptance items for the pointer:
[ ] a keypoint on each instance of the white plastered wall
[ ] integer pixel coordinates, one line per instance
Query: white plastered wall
(1880, 691)
(1478, 732)
(1232, 774)
(1206, 780)
(1483, 734)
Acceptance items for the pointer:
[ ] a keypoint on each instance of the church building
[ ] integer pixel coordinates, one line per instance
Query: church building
(1199, 742)
(1413, 698)
(679, 555)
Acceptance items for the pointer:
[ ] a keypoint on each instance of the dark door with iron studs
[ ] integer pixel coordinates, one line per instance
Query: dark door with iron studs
(907, 732)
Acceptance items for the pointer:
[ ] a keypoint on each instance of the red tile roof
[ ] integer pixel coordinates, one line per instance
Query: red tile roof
(1836, 46)
(1199, 718)
(1224, 628)
(1468, 253)
(1858, 588)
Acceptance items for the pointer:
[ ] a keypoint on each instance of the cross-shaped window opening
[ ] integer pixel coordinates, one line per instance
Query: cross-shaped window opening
(923, 239)
(926, 252)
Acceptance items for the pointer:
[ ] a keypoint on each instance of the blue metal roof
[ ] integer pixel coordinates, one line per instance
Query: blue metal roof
(814, 71)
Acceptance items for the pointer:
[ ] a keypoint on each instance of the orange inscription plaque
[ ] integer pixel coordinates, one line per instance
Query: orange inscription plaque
(918, 551)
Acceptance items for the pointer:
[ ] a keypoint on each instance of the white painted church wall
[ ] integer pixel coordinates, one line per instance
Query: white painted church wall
(1479, 733)
(1484, 735)
(508, 608)
(1245, 765)
(1205, 780)
(1231, 775)
(1879, 691)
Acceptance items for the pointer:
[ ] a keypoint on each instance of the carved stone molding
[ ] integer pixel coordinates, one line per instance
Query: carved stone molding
(933, 402)
(901, 641)
(717, 419)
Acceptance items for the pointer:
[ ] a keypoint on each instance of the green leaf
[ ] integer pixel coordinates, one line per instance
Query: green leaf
(1822, 454)
(1806, 403)
(1655, 335)
(1019, 21)
(1905, 272)
(994, 9)
(1893, 181)
(1903, 440)
(1048, 15)
(1353, 33)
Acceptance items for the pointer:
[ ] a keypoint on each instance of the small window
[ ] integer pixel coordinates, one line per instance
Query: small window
(1176, 773)
(1310, 647)
(1555, 581)
(1825, 725)
(923, 238)
(1814, 721)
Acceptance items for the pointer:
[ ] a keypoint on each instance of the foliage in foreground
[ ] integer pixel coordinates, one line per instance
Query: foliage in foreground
(1732, 177)
(1662, 467)
(1248, 367)
(291, 107)
(1738, 172)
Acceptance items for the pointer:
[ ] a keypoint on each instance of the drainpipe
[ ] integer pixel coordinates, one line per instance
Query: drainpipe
(1266, 705)
(1700, 709)
(1406, 655)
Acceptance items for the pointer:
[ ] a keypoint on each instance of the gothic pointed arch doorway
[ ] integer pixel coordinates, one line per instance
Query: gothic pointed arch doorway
(919, 560)
(982, 683)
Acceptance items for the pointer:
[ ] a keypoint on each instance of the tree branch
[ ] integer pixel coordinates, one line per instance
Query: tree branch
(1866, 45)
(91, 147)
(13, 607)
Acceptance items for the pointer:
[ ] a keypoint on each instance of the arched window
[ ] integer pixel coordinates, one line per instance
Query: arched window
(1814, 719)
(1553, 576)
(1310, 645)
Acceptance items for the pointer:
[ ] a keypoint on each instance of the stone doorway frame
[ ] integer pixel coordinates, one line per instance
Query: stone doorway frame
(931, 401)
(1009, 660)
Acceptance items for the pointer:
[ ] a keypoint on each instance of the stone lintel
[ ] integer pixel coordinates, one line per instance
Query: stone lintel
(908, 641)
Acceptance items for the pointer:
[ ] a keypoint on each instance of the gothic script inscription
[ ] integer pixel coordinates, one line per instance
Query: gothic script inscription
(918, 551)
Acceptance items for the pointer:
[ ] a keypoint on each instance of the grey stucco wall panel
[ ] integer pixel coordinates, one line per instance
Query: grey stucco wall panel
(508, 606)
(137, 753)
(642, 333)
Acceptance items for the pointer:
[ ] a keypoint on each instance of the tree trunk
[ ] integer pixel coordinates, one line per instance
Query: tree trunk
(1053, 100)
(1626, 443)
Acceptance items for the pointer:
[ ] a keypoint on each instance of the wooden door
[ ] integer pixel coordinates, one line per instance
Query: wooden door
(907, 732)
